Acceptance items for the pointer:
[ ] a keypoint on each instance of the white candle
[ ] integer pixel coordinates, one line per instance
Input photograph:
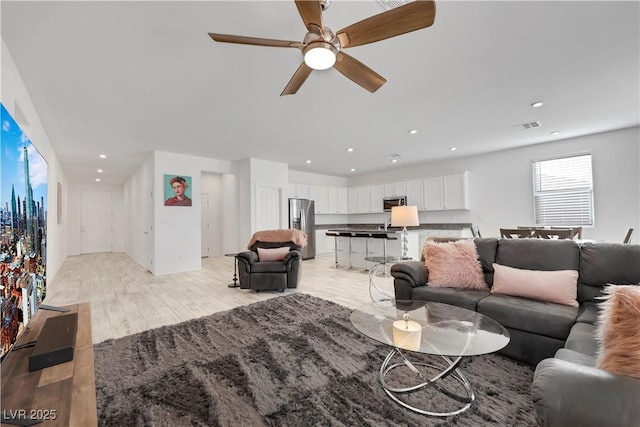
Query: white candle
(406, 334)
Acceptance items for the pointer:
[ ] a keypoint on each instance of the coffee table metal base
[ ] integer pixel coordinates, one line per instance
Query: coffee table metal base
(397, 393)
(380, 262)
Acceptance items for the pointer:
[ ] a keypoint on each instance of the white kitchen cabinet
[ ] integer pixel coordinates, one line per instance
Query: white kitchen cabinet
(401, 188)
(456, 191)
(353, 200)
(302, 191)
(377, 195)
(337, 200)
(447, 192)
(415, 193)
(343, 200)
(389, 190)
(433, 194)
(291, 191)
(332, 200)
(395, 189)
(413, 244)
(320, 195)
(324, 243)
(364, 199)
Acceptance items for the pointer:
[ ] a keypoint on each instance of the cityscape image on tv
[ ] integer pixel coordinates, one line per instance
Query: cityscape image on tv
(23, 226)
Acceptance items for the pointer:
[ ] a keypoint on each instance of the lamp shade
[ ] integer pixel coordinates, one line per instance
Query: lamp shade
(404, 216)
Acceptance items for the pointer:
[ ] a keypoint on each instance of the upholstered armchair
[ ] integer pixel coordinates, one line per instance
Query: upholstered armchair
(269, 275)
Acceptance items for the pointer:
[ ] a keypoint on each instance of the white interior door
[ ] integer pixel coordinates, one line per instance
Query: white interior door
(205, 227)
(96, 222)
(267, 208)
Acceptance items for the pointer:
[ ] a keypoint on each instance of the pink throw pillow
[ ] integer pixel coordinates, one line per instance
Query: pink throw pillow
(274, 254)
(618, 330)
(453, 264)
(560, 286)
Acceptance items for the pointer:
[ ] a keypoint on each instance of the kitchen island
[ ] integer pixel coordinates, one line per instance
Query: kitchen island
(369, 242)
(352, 243)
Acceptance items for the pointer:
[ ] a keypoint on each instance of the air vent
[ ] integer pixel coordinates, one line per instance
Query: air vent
(529, 125)
(392, 4)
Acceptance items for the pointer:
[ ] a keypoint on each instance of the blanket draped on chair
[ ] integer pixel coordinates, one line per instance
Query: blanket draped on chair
(284, 235)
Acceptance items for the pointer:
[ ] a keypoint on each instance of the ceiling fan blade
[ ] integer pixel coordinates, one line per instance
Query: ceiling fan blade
(255, 41)
(311, 13)
(404, 19)
(359, 73)
(296, 81)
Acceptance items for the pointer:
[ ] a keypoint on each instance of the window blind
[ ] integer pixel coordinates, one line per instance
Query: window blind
(563, 191)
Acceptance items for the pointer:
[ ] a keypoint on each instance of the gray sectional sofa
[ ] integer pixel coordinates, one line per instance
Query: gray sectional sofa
(567, 389)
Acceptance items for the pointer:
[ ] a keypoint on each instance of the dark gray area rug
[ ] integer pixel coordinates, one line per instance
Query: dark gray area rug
(294, 360)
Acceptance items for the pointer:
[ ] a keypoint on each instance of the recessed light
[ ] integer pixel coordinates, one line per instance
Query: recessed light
(537, 104)
(413, 131)
(308, 161)
(99, 170)
(452, 148)
(350, 150)
(353, 170)
(102, 156)
(97, 179)
(556, 132)
(394, 160)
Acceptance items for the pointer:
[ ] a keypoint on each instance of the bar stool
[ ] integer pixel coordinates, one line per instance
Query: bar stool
(349, 235)
(366, 254)
(335, 245)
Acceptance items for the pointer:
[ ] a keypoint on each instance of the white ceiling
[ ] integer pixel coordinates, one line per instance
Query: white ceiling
(125, 78)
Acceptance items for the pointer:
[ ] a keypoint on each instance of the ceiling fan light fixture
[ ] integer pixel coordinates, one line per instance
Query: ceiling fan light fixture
(320, 55)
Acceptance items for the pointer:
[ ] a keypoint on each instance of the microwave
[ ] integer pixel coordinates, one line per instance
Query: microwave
(389, 202)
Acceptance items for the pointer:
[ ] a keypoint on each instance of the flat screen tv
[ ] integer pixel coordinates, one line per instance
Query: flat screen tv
(23, 229)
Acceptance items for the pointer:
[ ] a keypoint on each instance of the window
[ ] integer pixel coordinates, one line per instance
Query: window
(563, 191)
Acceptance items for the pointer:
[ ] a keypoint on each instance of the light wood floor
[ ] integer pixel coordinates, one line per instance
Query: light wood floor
(126, 299)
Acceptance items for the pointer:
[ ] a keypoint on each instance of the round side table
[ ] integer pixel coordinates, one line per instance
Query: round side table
(235, 270)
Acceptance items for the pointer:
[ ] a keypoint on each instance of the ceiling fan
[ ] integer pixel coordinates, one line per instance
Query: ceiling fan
(322, 49)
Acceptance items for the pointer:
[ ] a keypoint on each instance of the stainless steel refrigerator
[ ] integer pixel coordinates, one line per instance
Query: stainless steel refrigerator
(302, 216)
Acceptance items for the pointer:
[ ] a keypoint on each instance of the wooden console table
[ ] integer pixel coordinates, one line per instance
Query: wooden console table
(64, 394)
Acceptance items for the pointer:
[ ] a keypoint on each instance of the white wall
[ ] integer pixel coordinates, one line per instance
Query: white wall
(139, 210)
(502, 190)
(298, 177)
(74, 215)
(212, 187)
(14, 96)
(177, 229)
(243, 197)
(269, 174)
(230, 222)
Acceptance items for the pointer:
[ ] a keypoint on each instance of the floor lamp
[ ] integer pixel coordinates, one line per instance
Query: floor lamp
(404, 216)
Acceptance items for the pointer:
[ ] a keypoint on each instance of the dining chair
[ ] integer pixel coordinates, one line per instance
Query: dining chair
(627, 238)
(517, 233)
(577, 231)
(556, 233)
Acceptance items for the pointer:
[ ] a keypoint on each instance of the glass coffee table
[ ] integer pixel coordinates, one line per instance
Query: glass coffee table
(418, 328)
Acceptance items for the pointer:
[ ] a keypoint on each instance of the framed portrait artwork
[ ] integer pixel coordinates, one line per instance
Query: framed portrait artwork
(177, 190)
